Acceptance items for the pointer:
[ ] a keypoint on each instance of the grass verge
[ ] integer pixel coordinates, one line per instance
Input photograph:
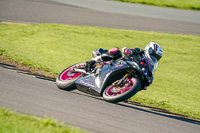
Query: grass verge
(182, 4)
(11, 122)
(53, 47)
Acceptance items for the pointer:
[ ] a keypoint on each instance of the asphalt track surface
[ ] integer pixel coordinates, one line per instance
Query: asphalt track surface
(39, 96)
(36, 95)
(101, 14)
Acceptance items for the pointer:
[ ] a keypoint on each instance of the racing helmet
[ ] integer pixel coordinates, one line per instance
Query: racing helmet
(154, 50)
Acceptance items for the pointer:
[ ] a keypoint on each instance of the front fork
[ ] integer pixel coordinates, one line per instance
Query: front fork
(121, 81)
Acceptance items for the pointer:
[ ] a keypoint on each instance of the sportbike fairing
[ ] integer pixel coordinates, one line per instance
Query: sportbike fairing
(95, 84)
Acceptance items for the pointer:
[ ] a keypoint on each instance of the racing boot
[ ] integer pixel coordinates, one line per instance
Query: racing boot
(89, 65)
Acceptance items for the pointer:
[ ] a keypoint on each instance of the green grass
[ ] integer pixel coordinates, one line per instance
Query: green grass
(11, 122)
(182, 4)
(53, 47)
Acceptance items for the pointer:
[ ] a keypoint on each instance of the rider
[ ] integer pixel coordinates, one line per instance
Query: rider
(152, 52)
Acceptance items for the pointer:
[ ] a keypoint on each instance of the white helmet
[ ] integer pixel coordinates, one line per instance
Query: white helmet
(155, 50)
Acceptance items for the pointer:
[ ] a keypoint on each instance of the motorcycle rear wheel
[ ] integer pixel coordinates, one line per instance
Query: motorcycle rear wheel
(66, 79)
(124, 94)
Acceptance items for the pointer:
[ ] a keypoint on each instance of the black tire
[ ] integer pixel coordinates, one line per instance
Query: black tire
(67, 84)
(124, 96)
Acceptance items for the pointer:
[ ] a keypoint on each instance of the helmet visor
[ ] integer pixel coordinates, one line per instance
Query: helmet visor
(156, 56)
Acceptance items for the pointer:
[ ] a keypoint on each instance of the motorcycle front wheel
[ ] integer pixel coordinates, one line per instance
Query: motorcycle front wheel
(111, 95)
(66, 79)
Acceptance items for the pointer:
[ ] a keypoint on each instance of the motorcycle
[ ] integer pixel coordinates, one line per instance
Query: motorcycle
(114, 80)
